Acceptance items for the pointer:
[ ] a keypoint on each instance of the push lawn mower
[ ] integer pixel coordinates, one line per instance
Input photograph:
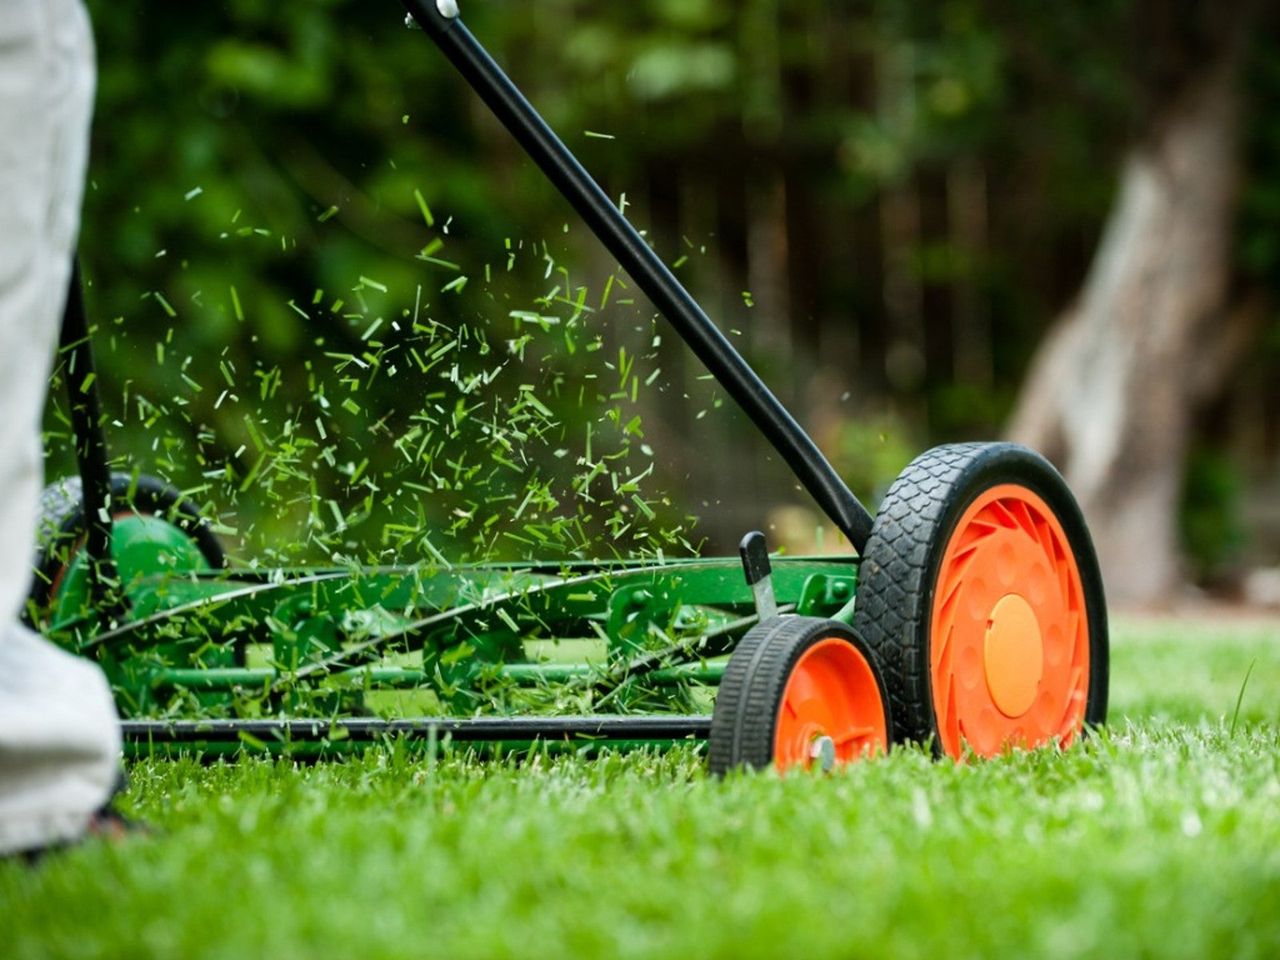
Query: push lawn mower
(971, 619)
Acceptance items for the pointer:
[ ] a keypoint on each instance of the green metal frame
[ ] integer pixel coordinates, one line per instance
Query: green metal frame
(629, 637)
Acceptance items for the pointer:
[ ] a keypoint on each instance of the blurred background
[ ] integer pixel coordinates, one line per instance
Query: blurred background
(336, 304)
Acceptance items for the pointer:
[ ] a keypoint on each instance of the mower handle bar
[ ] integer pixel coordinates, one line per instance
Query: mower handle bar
(440, 22)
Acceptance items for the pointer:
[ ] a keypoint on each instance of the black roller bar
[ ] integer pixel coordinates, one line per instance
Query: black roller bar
(468, 729)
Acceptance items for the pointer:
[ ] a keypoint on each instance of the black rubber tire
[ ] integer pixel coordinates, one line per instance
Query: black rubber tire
(60, 524)
(744, 721)
(899, 569)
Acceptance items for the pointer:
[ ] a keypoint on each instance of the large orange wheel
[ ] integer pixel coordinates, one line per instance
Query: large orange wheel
(980, 593)
(799, 692)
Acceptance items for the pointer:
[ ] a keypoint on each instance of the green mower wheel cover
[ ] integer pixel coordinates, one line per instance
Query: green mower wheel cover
(156, 530)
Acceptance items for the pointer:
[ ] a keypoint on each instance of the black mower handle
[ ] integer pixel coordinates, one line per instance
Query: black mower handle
(439, 20)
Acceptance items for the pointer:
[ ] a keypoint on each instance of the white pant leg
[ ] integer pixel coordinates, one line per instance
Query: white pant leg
(59, 741)
(59, 737)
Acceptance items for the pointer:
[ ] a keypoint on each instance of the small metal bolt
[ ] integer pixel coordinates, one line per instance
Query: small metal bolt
(446, 8)
(823, 750)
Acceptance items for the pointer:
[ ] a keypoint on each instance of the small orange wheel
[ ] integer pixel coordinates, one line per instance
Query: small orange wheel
(980, 591)
(799, 692)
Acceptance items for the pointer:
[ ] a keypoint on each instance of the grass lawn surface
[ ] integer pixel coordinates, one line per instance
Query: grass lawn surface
(1158, 838)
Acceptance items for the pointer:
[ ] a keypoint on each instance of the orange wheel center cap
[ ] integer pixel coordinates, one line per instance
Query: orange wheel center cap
(1013, 655)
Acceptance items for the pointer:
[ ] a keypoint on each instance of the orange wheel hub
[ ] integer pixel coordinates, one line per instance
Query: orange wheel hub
(1009, 638)
(831, 704)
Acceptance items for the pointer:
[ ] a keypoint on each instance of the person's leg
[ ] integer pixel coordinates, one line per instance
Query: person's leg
(59, 736)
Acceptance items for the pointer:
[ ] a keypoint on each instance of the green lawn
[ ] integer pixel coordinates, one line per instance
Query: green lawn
(1159, 838)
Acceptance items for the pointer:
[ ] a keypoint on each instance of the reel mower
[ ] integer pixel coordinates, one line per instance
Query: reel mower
(971, 618)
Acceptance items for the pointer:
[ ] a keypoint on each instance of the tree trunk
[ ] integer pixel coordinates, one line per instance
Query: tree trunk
(1113, 390)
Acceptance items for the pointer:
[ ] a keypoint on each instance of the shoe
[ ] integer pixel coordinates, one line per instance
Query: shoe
(106, 823)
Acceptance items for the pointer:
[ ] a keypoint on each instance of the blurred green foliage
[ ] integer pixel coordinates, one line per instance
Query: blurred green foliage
(1211, 526)
(885, 202)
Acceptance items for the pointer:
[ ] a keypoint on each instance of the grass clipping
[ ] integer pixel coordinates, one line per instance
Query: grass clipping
(432, 423)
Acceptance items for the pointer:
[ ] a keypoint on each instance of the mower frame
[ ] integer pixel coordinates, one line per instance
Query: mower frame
(662, 626)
